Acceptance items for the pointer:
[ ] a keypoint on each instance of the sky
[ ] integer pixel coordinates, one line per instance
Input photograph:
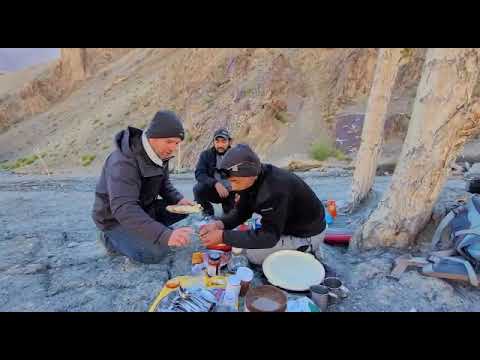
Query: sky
(13, 59)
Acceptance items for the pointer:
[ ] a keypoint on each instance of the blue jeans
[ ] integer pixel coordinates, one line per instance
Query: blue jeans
(122, 241)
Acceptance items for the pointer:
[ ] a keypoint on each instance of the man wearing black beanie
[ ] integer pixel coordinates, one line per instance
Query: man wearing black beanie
(292, 216)
(132, 221)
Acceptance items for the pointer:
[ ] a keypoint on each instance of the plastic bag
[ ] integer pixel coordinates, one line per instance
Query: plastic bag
(302, 304)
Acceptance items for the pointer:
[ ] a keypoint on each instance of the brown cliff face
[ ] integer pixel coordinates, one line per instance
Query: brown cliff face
(280, 101)
(54, 83)
(77, 64)
(73, 64)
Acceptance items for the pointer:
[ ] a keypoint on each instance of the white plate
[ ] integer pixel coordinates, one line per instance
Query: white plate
(293, 270)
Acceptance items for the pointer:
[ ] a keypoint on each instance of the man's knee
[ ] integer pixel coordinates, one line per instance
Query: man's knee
(257, 256)
(318, 240)
(229, 203)
(201, 190)
(135, 247)
(149, 257)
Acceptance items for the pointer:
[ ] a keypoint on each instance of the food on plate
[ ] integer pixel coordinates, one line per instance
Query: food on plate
(184, 209)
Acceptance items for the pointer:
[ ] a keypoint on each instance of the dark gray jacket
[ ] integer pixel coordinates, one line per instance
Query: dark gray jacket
(129, 184)
(288, 207)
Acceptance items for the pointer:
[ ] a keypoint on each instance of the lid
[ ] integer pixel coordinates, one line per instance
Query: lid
(214, 256)
(293, 270)
(172, 284)
(244, 273)
(221, 247)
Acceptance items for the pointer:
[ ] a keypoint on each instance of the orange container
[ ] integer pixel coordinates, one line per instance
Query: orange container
(332, 208)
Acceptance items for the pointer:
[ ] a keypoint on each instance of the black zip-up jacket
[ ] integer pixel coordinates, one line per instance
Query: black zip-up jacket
(206, 165)
(130, 182)
(288, 206)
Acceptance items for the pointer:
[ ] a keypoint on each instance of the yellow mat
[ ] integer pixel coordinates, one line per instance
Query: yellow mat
(216, 282)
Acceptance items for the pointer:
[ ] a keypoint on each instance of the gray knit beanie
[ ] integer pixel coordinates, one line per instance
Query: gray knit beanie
(165, 124)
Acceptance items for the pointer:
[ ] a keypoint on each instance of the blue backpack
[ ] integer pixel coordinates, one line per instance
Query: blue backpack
(464, 230)
(463, 260)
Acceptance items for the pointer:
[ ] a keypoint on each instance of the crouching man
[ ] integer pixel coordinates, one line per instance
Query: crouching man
(131, 218)
(293, 217)
(211, 187)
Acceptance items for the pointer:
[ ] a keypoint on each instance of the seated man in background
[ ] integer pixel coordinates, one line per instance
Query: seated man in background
(211, 186)
(131, 219)
(292, 215)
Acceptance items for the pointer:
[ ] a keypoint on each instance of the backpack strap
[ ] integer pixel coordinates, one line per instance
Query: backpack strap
(472, 276)
(443, 224)
(468, 231)
(468, 240)
(448, 252)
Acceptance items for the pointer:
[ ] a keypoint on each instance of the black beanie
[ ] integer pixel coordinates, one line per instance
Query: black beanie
(241, 161)
(165, 124)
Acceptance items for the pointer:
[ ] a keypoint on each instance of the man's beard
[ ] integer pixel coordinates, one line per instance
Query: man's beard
(220, 151)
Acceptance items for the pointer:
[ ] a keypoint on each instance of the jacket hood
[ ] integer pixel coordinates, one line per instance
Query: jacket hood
(123, 141)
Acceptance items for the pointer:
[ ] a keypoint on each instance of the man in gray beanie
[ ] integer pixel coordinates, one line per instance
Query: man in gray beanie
(131, 219)
(293, 217)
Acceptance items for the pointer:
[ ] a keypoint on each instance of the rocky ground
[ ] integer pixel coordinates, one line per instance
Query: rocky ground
(50, 260)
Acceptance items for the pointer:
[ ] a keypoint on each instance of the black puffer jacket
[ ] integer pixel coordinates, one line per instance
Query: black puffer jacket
(130, 182)
(206, 166)
(288, 207)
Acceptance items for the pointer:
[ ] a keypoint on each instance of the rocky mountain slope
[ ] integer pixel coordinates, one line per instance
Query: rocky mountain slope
(281, 101)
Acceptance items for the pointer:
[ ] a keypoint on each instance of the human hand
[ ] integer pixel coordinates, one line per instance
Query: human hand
(205, 229)
(211, 238)
(180, 237)
(221, 190)
(185, 202)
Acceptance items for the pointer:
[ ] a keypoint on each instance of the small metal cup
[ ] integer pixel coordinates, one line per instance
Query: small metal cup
(321, 296)
(336, 286)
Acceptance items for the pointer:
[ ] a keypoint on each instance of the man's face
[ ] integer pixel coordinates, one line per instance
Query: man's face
(221, 144)
(240, 183)
(165, 147)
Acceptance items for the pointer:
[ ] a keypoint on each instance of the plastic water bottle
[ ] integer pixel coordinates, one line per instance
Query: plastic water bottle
(328, 218)
(232, 292)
